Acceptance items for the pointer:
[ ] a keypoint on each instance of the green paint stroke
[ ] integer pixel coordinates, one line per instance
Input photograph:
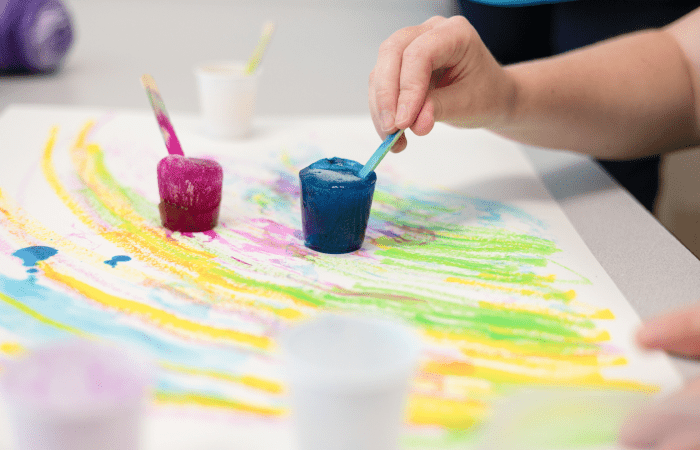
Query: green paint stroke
(496, 258)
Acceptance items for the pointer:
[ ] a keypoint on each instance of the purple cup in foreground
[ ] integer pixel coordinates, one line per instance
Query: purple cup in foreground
(77, 395)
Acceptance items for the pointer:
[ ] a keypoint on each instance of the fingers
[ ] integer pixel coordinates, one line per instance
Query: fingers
(384, 79)
(678, 332)
(443, 46)
(689, 440)
(673, 423)
(415, 81)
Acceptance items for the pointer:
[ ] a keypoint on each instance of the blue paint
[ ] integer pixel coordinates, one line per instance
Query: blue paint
(335, 205)
(115, 259)
(75, 311)
(32, 270)
(31, 255)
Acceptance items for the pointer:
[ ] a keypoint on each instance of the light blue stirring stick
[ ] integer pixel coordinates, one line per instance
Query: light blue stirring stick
(380, 154)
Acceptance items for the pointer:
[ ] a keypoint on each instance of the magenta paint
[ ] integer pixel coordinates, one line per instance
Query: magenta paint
(190, 192)
(166, 128)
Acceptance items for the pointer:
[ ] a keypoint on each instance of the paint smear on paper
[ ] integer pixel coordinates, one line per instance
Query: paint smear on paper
(117, 259)
(482, 281)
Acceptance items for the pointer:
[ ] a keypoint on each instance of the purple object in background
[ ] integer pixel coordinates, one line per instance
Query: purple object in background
(35, 35)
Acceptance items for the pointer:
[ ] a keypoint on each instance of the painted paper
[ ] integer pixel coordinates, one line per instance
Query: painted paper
(464, 244)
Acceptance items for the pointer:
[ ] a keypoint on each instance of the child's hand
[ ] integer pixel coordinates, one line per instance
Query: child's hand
(437, 71)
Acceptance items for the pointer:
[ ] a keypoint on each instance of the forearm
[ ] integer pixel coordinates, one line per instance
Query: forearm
(624, 98)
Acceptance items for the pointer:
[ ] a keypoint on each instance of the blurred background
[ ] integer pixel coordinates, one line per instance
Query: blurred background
(318, 64)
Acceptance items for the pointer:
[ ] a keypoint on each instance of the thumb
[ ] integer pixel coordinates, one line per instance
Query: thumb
(481, 98)
(441, 105)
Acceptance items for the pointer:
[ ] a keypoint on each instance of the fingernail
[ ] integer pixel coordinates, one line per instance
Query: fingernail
(387, 120)
(402, 114)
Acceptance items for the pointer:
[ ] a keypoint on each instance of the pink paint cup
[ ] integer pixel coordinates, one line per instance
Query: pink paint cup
(77, 395)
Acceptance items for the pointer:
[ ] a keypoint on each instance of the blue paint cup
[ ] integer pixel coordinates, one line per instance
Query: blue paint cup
(335, 205)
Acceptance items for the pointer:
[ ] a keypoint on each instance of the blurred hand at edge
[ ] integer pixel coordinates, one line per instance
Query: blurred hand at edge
(673, 423)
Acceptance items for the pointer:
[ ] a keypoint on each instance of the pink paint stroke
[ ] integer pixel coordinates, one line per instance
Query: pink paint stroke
(166, 128)
(171, 141)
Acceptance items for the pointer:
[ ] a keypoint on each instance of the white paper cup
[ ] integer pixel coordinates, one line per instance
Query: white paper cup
(348, 381)
(77, 395)
(226, 98)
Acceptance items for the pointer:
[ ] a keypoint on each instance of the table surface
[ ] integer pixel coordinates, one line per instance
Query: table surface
(318, 64)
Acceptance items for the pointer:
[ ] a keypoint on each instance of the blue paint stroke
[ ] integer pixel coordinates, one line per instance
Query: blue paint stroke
(115, 259)
(78, 312)
(31, 255)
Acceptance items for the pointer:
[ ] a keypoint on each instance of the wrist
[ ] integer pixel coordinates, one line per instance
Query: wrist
(511, 99)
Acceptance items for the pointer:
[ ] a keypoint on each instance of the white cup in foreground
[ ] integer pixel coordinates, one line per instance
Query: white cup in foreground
(77, 395)
(348, 381)
(226, 98)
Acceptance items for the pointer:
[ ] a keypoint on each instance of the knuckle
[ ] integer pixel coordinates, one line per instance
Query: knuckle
(387, 46)
(461, 28)
(394, 43)
(435, 20)
(458, 21)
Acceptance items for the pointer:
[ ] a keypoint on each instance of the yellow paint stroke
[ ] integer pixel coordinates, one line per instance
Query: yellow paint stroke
(450, 413)
(458, 368)
(40, 317)
(156, 316)
(271, 387)
(592, 379)
(521, 370)
(600, 360)
(568, 295)
(604, 314)
(215, 402)
(525, 307)
(151, 245)
(11, 348)
(55, 183)
(503, 348)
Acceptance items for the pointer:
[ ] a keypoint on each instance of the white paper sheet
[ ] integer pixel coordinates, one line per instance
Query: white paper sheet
(464, 243)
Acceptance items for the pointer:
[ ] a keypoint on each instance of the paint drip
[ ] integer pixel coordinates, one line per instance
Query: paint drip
(116, 259)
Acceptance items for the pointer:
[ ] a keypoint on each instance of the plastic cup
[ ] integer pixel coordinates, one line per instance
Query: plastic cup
(348, 382)
(77, 395)
(227, 98)
(335, 205)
